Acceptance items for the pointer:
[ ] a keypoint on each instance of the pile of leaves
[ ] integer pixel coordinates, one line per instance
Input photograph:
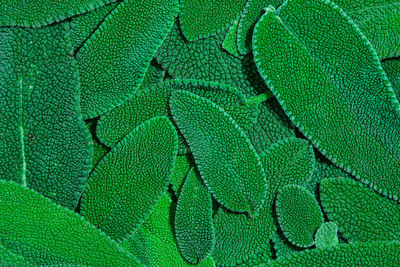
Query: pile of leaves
(200, 132)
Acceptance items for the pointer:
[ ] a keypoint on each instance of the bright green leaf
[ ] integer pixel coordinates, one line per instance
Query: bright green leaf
(326, 235)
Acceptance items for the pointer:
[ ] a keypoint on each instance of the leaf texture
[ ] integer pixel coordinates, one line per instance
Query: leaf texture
(354, 254)
(299, 215)
(129, 180)
(227, 161)
(153, 243)
(355, 122)
(109, 81)
(182, 166)
(361, 214)
(43, 12)
(39, 232)
(392, 70)
(44, 143)
(193, 220)
(229, 43)
(289, 161)
(202, 18)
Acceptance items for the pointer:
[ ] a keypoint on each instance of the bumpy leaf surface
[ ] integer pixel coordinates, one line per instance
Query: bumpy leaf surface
(99, 150)
(182, 167)
(153, 243)
(379, 20)
(299, 215)
(113, 62)
(153, 101)
(43, 12)
(228, 163)
(202, 18)
(290, 161)
(44, 143)
(229, 43)
(130, 179)
(40, 232)
(83, 26)
(354, 254)
(326, 235)
(206, 60)
(392, 69)
(193, 220)
(355, 122)
(361, 214)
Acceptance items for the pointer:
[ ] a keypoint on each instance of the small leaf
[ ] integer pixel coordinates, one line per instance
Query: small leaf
(326, 235)
(129, 180)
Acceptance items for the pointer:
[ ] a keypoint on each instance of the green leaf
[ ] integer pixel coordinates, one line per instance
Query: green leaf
(251, 13)
(354, 254)
(153, 101)
(43, 12)
(392, 69)
(202, 18)
(40, 232)
(181, 168)
(354, 122)
(129, 180)
(153, 243)
(111, 70)
(83, 26)
(290, 161)
(379, 20)
(193, 220)
(229, 43)
(361, 214)
(99, 150)
(44, 143)
(206, 60)
(227, 161)
(326, 235)
(299, 215)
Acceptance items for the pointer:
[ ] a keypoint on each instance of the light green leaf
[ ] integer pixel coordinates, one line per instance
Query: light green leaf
(129, 180)
(229, 43)
(227, 161)
(40, 232)
(202, 18)
(111, 70)
(289, 161)
(349, 255)
(299, 215)
(153, 243)
(44, 143)
(354, 122)
(361, 214)
(193, 220)
(43, 12)
(326, 235)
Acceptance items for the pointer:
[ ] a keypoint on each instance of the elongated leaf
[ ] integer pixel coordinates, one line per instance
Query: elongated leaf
(111, 70)
(326, 235)
(289, 161)
(355, 122)
(379, 20)
(40, 232)
(154, 243)
(130, 179)
(299, 215)
(193, 220)
(153, 101)
(182, 167)
(361, 214)
(83, 26)
(202, 18)
(227, 161)
(229, 43)
(44, 143)
(43, 12)
(354, 254)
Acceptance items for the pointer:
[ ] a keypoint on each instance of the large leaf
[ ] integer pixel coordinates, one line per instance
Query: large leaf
(39, 232)
(353, 121)
(44, 143)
